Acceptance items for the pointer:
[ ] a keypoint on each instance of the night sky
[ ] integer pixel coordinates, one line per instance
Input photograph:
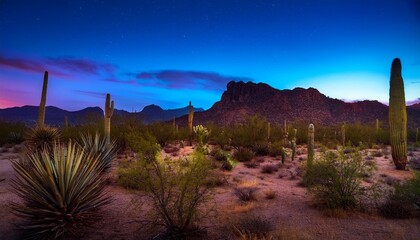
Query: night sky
(169, 52)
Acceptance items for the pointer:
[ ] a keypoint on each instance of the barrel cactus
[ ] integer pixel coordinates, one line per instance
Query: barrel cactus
(397, 117)
(41, 109)
(311, 143)
(109, 110)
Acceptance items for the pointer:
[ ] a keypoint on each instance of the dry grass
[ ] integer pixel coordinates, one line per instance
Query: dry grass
(270, 194)
(269, 168)
(245, 190)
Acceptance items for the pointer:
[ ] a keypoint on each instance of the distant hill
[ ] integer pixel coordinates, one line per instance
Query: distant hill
(241, 100)
(55, 116)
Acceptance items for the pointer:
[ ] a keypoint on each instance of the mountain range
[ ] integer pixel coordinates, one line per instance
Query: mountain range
(55, 116)
(239, 101)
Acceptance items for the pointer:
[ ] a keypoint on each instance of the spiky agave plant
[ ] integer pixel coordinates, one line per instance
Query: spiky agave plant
(99, 147)
(60, 191)
(42, 137)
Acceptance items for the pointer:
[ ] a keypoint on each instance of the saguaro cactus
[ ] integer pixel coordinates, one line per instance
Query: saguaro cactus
(109, 110)
(343, 134)
(377, 126)
(41, 109)
(268, 131)
(311, 143)
(190, 121)
(397, 117)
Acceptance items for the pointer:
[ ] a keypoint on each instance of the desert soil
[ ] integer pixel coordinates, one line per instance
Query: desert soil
(292, 212)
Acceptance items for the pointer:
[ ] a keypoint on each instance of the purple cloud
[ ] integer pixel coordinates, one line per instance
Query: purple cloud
(63, 66)
(177, 79)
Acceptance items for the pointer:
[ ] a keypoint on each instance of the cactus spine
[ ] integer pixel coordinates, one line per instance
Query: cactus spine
(343, 134)
(190, 122)
(311, 143)
(109, 110)
(397, 117)
(41, 109)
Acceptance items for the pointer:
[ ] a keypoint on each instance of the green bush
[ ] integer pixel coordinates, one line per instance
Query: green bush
(177, 191)
(335, 180)
(243, 155)
(404, 201)
(60, 191)
(132, 175)
(12, 133)
(261, 148)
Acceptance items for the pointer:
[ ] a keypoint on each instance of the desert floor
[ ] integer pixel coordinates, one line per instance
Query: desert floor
(292, 212)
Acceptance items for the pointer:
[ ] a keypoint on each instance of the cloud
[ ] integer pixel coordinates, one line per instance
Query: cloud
(91, 93)
(412, 102)
(177, 79)
(62, 66)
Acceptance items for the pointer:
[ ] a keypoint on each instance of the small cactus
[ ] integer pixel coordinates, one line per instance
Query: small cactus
(41, 110)
(283, 155)
(109, 110)
(190, 122)
(293, 149)
(311, 143)
(397, 117)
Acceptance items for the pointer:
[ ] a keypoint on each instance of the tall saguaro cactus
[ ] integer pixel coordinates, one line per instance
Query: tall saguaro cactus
(343, 134)
(268, 131)
(311, 143)
(41, 109)
(397, 117)
(109, 110)
(190, 121)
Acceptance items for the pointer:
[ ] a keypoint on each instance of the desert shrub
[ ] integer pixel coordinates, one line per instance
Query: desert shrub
(177, 192)
(335, 181)
(251, 131)
(42, 138)
(162, 132)
(142, 143)
(253, 227)
(219, 154)
(11, 132)
(404, 201)
(252, 164)
(275, 149)
(245, 190)
(59, 193)
(132, 175)
(261, 148)
(243, 154)
(269, 168)
(228, 165)
(98, 147)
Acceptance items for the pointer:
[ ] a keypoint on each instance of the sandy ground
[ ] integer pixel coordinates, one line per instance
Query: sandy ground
(292, 211)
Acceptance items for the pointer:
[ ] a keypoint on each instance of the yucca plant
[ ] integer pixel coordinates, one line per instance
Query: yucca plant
(99, 147)
(42, 138)
(60, 192)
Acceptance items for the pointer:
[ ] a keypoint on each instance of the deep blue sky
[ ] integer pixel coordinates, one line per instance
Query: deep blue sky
(169, 52)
